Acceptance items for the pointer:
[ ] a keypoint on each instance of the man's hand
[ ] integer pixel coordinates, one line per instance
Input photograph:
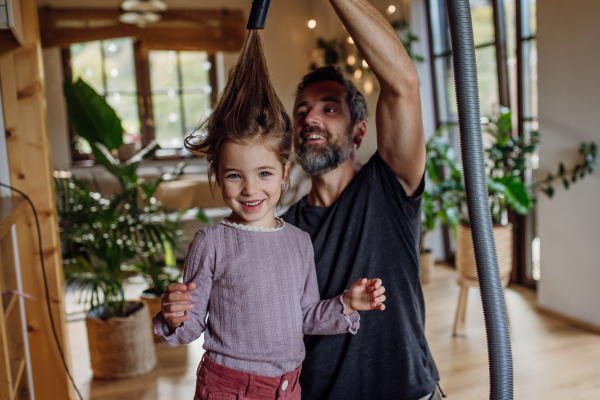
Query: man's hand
(175, 302)
(365, 295)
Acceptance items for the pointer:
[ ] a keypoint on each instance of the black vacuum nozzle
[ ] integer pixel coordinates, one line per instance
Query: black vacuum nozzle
(258, 14)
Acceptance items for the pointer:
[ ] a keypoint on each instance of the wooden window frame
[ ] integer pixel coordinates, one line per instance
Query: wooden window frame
(524, 226)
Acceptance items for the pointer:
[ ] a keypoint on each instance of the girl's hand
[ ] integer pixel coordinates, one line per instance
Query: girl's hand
(365, 295)
(175, 302)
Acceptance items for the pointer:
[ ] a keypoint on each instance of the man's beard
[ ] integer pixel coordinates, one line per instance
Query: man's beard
(321, 159)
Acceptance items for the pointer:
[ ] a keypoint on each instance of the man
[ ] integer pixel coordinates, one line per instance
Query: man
(366, 220)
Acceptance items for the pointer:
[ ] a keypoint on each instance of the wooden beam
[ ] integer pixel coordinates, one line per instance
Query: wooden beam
(208, 30)
(142, 68)
(21, 74)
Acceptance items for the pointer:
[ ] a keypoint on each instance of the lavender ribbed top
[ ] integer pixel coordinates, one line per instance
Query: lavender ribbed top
(260, 291)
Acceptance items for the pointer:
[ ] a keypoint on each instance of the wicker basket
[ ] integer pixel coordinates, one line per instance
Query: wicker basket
(154, 306)
(121, 347)
(427, 266)
(465, 256)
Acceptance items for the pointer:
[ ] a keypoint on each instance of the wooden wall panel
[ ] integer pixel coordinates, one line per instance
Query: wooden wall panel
(21, 79)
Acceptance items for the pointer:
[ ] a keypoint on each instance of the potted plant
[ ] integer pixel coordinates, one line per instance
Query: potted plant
(507, 158)
(98, 241)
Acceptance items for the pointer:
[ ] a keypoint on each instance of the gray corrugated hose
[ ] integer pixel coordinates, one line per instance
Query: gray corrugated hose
(469, 121)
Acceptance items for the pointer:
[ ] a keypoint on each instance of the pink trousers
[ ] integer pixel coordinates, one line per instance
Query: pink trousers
(216, 382)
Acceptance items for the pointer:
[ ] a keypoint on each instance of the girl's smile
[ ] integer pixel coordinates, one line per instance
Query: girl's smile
(253, 206)
(251, 177)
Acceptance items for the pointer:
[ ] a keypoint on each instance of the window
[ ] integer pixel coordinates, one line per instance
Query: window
(108, 66)
(181, 94)
(505, 48)
(172, 103)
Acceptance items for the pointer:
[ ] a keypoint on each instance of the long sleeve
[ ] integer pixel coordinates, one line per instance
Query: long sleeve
(199, 268)
(323, 317)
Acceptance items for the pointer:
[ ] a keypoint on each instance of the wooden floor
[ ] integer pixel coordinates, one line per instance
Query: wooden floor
(552, 360)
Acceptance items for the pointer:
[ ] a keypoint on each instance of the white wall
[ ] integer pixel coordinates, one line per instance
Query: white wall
(569, 101)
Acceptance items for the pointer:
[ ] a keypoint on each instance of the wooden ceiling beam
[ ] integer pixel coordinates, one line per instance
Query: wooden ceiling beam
(209, 30)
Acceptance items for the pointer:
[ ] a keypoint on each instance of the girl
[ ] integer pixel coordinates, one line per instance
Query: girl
(253, 273)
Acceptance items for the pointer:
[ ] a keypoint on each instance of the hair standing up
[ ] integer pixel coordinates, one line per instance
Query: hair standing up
(248, 111)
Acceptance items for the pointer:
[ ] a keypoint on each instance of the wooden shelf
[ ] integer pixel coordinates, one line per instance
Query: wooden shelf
(11, 208)
(17, 367)
(8, 303)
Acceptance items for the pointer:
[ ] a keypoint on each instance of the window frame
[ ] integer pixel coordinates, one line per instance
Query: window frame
(526, 226)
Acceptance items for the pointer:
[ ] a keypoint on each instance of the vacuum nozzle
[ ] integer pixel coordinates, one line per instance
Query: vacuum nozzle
(258, 14)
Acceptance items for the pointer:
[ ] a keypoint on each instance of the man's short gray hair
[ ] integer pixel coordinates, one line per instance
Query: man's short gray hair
(356, 100)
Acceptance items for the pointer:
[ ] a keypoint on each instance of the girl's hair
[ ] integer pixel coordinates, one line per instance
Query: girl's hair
(248, 111)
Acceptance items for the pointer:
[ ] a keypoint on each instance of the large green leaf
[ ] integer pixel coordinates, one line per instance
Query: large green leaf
(92, 118)
(513, 190)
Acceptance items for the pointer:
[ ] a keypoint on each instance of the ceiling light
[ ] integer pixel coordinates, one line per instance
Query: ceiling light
(140, 18)
(391, 10)
(144, 5)
(312, 23)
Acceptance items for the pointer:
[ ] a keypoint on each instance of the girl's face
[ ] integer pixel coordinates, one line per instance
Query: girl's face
(250, 177)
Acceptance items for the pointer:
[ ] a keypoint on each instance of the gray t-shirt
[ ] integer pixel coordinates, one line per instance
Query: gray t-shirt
(260, 291)
(373, 230)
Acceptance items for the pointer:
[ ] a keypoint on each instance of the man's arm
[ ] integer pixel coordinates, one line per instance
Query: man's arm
(400, 138)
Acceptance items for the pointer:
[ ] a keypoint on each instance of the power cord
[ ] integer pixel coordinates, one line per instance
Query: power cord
(37, 223)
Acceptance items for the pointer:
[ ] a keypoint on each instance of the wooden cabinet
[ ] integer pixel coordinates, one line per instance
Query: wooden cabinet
(14, 382)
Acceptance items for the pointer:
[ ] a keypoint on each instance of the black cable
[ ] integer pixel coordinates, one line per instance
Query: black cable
(37, 223)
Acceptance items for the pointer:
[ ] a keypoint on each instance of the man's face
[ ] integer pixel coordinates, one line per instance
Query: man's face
(322, 127)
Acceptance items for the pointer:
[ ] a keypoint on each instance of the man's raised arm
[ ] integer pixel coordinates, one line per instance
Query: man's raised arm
(400, 138)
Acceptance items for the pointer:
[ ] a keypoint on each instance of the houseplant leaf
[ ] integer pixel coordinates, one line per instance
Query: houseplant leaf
(92, 118)
(513, 190)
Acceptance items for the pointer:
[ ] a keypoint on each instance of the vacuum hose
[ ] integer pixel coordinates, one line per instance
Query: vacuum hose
(258, 14)
(469, 121)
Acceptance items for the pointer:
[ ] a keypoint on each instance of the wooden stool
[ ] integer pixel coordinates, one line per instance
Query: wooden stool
(465, 283)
